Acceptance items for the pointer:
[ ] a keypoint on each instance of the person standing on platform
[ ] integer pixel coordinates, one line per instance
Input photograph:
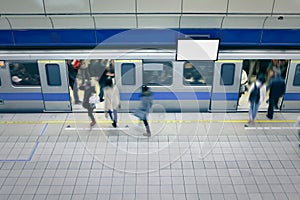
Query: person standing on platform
(112, 101)
(276, 89)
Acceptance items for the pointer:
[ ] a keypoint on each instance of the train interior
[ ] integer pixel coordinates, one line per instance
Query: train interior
(26, 74)
(250, 70)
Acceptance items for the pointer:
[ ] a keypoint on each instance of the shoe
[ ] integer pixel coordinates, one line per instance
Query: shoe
(269, 117)
(147, 134)
(92, 123)
(246, 125)
(101, 100)
(114, 124)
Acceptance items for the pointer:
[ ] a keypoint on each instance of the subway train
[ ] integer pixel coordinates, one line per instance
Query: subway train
(177, 86)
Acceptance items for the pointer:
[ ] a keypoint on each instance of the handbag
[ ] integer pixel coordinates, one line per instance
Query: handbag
(94, 99)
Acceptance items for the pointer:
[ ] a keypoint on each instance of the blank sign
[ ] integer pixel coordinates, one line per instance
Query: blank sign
(188, 49)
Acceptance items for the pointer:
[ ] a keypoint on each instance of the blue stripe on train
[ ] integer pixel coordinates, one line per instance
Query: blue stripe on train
(167, 96)
(35, 96)
(181, 96)
(291, 97)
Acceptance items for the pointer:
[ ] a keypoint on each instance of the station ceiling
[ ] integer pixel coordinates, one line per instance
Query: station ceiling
(132, 14)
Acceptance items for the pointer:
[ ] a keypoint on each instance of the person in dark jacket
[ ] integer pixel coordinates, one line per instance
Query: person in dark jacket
(72, 81)
(143, 111)
(89, 90)
(277, 89)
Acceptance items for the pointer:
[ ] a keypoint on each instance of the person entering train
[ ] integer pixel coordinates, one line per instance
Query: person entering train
(73, 71)
(112, 101)
(256, 97)
(143, 112)
(276, 89)
(89, 90)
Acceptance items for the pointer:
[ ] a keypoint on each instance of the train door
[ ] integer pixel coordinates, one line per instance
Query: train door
(226, 84)
(128, 76)
(292, 95)
(54, 83)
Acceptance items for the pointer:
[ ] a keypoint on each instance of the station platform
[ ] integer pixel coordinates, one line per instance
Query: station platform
(189, 156)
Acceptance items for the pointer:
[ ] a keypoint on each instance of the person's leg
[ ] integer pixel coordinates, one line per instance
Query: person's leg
(255, 110)
(115, 119)
(148, 132)
(276, 99)
(115, 115)
(90, 113)
(251, 108)
(270, 108)
(101, 93)
(110, 115)
(75, 92)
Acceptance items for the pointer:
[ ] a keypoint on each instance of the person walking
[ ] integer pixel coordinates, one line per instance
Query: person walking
(143, 112)
(257, 95)
(89, 90)
(112, 101)
(276, 89)
(73, 71)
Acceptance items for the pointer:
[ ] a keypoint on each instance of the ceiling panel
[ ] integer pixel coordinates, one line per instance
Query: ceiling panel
(30, 22)
(67, 6)
(113, 6)
(287, 6)
(21, 7)
(4, 25)
(250, 6)
(204, 6)
(158, 21)
(115, 22)
(159, 6)
(286, 23)
(75, 22)
(243, 22)
(188, 21)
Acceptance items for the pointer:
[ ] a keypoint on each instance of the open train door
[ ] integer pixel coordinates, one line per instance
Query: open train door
(54, 82)
(292, 96)
(226, 84)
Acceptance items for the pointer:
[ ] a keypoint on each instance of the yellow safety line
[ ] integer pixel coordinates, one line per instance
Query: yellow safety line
(136, 121)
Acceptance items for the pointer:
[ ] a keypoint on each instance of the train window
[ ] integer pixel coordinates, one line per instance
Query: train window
(157, 73)
(296, 81)
(53, 74)
(24, 73)
(198, 73)
(227, 74)
(128, 73)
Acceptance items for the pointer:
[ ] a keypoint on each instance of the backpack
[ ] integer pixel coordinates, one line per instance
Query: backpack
(254, 94)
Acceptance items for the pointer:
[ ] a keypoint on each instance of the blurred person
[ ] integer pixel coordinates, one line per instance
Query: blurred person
(100, 70)
(257, 95)
(84, 70)
(112, 101)
(146, 104)
(89, 90)
(276, 89)
(73, 71)
(244, 83)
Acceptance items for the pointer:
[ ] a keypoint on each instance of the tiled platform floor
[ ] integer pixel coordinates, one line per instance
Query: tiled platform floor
(191, 156)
